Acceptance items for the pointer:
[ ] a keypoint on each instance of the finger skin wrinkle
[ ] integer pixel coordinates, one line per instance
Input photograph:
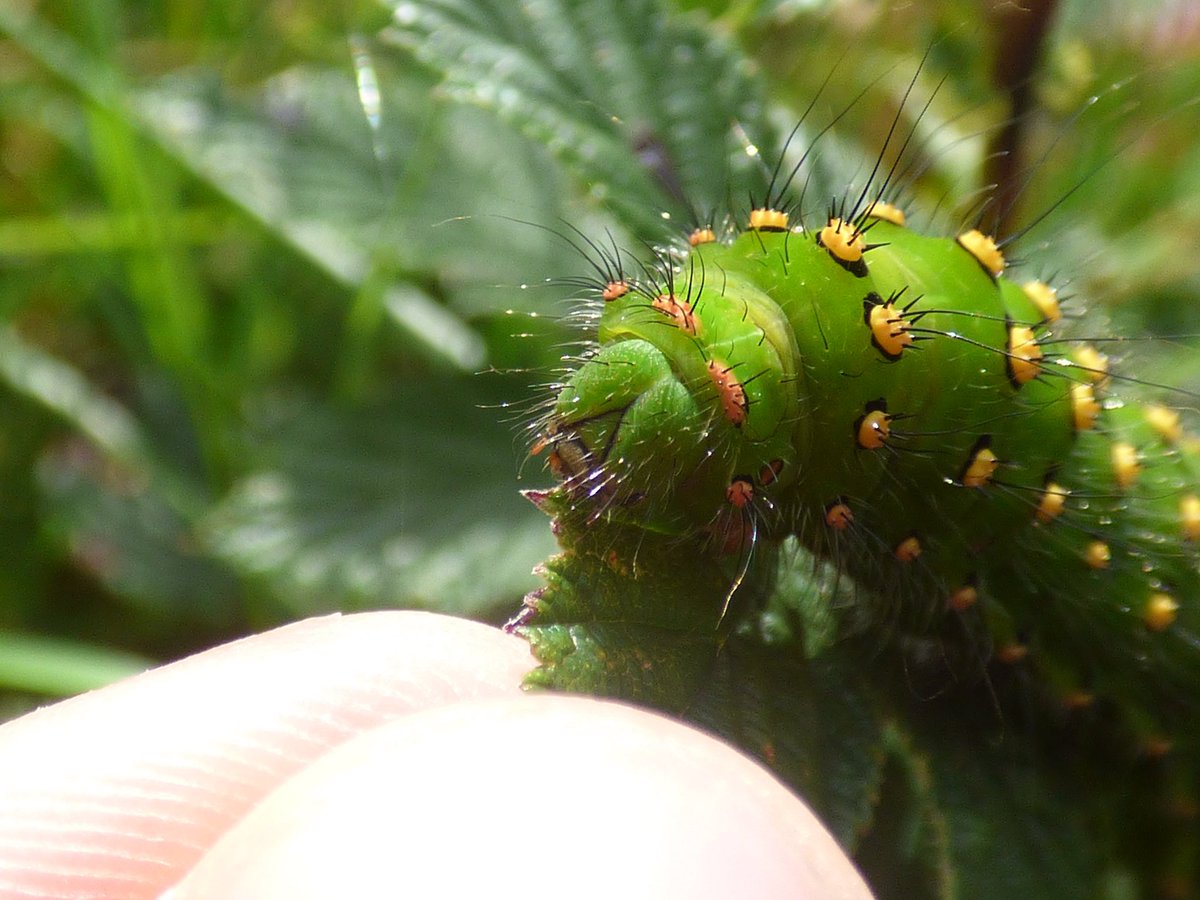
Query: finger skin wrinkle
(116, 792)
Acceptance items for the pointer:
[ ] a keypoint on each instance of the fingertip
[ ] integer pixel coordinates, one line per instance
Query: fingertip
(509, 798)
(117, 792)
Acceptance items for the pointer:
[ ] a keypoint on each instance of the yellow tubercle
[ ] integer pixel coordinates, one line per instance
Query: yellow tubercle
(1189, 517)
(908, 549)
(1165, 422)
(1045, 298)
(888, 212)
(1094, 365)
(874, 429)
(1012, 653)
(1024, 354)
(964, 598)
(768, 220)
(1054, 500)
(984, 248)
(1160, 611)
(839, 516)
(1125, 465)
(1085, 407)
(980, 468)
(843, 240)
(1097, 555)
(889, 328)
(1078, 699)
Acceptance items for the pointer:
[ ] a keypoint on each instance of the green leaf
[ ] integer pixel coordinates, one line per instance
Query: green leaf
(618, 616)
(405, 503)
(307, 172)
(638, 106)
(65, 392)
(117, 525)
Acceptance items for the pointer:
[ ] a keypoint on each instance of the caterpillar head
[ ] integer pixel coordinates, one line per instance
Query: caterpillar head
(624, 428)
(683, 420)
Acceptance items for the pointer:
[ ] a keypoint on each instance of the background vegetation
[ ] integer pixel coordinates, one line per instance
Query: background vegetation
(254, 256)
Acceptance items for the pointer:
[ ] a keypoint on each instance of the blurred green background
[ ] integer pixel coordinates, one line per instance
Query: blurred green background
(254, 257)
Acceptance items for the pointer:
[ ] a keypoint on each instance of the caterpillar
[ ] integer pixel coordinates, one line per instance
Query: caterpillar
(909, 407)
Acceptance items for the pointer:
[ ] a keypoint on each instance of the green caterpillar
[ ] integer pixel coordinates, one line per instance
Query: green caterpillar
(911, 413)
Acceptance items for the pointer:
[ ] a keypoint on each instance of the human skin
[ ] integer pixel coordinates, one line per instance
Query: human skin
(387, 754)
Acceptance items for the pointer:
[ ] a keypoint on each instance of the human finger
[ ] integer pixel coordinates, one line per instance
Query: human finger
(560, 796)
(118, 792)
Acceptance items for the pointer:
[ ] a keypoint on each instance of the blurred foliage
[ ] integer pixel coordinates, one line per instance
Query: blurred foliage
(252, 264)
(253, 257)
